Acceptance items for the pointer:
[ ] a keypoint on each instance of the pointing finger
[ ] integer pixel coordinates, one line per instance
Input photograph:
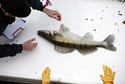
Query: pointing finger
(31, 40)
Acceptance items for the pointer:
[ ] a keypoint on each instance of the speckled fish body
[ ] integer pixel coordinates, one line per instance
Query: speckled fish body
(71, 40)
(68, 41)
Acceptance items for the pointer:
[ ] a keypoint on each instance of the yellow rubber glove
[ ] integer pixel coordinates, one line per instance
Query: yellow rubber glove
(108, 77)
(45, 76)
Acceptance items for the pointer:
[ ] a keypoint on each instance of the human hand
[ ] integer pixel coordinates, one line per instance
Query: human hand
(45, 76)
(28, 45)
(108, 75)
(52, 13)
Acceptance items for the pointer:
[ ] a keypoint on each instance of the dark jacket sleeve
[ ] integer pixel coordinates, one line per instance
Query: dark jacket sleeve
(7, 49)
(3, 26)
(36, 4)
(10, 50)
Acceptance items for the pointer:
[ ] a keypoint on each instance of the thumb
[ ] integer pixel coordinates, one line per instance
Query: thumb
(55, 17)
(102, 77)
(113, 75)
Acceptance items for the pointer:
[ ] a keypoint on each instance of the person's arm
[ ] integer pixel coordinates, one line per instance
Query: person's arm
(53, 14)
(7, 49)
(12, 50)
(3, 26)
(36, 4)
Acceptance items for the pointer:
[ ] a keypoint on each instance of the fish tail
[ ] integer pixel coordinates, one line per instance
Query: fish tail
(109, 40)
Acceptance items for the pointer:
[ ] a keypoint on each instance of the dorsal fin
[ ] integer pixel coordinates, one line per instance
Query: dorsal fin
(88, 36)
(63, 28)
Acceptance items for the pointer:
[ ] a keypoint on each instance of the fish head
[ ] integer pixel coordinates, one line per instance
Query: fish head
(48, 34)
(45, 33)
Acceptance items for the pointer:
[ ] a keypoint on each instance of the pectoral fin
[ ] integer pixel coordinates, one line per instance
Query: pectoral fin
(63, 49)
(87, 51)
(56, 34)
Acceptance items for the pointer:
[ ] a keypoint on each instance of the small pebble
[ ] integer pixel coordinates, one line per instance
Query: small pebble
(94, 29)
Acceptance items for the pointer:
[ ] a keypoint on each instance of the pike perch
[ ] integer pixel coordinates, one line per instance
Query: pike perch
(66, 41)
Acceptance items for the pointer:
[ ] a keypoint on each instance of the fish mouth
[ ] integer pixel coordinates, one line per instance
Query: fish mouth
(44, 33)
(39, 31)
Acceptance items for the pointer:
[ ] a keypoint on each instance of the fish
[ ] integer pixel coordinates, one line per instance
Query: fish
(66, 41)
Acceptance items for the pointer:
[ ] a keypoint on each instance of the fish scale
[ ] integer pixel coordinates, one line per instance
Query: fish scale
(65, 42)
